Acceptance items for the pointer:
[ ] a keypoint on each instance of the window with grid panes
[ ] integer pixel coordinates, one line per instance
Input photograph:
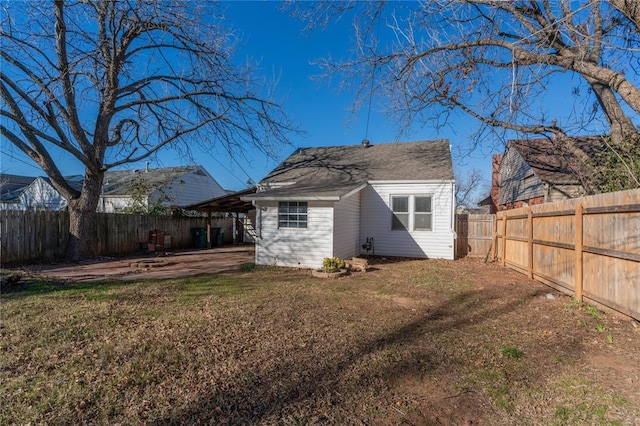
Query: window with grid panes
(292, 214)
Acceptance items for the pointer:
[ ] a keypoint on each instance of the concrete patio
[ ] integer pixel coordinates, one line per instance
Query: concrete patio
(161, 265)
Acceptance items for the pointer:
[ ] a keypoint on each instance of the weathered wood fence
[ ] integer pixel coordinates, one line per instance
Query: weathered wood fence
(586, 247)
(474, 234)
(42, 235)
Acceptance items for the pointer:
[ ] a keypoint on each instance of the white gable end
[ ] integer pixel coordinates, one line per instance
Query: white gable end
(376, 221)
(40, 195)
(191, 188)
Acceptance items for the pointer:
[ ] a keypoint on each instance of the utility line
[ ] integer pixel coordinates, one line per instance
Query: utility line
(373, 75)
(13, 157)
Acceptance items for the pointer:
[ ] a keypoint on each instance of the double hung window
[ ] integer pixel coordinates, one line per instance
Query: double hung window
(412, 213)
(400, 208)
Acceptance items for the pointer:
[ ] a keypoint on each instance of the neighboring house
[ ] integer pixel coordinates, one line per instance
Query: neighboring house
(147, 189)
(29, 193)
(536, 171)
(389, 199)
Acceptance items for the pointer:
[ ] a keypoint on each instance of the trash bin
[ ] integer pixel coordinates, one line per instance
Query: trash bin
(214, 236)
(199, 236)
(220, 237)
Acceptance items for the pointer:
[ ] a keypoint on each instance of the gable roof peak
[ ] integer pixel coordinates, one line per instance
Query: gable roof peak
(420, 160)
(556, 160)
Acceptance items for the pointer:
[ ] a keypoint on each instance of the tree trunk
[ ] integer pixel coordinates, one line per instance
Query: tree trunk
(622, 130)
(82, 219)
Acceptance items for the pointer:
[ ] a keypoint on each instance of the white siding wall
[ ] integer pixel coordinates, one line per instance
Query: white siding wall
(189, 189)
(375, 221)
(111, 204)
(303, 248)
(39, 195)
(346, 230)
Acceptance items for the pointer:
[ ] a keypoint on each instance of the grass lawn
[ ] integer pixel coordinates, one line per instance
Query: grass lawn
(411, 342)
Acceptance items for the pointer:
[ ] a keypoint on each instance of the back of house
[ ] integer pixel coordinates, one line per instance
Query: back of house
(393, 199)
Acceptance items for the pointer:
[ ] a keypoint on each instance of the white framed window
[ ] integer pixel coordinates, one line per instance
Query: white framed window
(422, 213)
(292, 214)
(400, 209)
(412, 213)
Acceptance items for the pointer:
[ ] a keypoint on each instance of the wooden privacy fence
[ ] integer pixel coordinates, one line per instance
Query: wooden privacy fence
(42, 235)
(586, 247)
(474, 234)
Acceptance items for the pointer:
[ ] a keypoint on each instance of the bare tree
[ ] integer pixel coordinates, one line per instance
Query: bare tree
(495, 60)
(469, 187)
(114, 82)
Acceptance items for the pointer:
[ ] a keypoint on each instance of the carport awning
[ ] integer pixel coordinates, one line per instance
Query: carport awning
(230, 203)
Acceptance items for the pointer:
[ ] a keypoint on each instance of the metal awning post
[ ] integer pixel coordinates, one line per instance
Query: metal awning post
(209, 230)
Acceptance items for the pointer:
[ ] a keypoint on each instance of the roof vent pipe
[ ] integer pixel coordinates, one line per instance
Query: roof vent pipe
(365, 142)
(147, 168)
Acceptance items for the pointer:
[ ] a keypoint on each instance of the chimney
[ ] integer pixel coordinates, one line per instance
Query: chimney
(365, 142)
(495, 181)
(147, 168)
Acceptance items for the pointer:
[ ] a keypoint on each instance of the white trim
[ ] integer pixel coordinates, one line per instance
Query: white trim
(453, 211)
(356, 190)
(293, 198)
(297, 213)
(411, 206)
(258, 197)
(434, 181)
(261, 187)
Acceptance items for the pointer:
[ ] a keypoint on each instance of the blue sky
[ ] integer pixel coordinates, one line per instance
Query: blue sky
(282, 49)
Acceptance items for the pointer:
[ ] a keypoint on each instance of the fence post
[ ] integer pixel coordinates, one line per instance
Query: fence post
(504, 239)
(530, 240)
(577, 294)
(494, 246)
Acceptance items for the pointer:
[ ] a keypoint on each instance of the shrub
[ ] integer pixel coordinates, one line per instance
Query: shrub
(333, 264)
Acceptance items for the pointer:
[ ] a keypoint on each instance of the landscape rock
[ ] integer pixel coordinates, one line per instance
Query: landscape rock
(8, 281)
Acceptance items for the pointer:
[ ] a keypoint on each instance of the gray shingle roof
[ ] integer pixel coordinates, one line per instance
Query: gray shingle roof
(337, 170)
(11, 186)
(553, 163)
(123, 182)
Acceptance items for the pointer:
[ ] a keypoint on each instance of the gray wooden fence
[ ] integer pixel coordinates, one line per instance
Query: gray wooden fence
(27, 236)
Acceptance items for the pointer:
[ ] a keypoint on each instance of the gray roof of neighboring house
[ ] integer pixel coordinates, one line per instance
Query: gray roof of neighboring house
(123, 182)
(11, 186)
(330, 172)
(116, 183)
(552, 162)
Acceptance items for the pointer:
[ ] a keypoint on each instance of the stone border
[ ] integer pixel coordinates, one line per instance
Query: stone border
(150, 263)
(321, 273)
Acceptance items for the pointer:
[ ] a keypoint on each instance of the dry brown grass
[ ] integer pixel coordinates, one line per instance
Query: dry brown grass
(412, 342)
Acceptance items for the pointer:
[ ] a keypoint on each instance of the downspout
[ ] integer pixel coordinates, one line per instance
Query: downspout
(234, 228)
(453, 219)
(258, 219)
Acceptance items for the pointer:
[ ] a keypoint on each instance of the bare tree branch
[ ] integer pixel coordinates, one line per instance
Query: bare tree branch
(116, 82)
(468, 187)
(494, 58)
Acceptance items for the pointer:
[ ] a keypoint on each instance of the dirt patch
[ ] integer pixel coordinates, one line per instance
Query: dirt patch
(163, 265)
(417, 342)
